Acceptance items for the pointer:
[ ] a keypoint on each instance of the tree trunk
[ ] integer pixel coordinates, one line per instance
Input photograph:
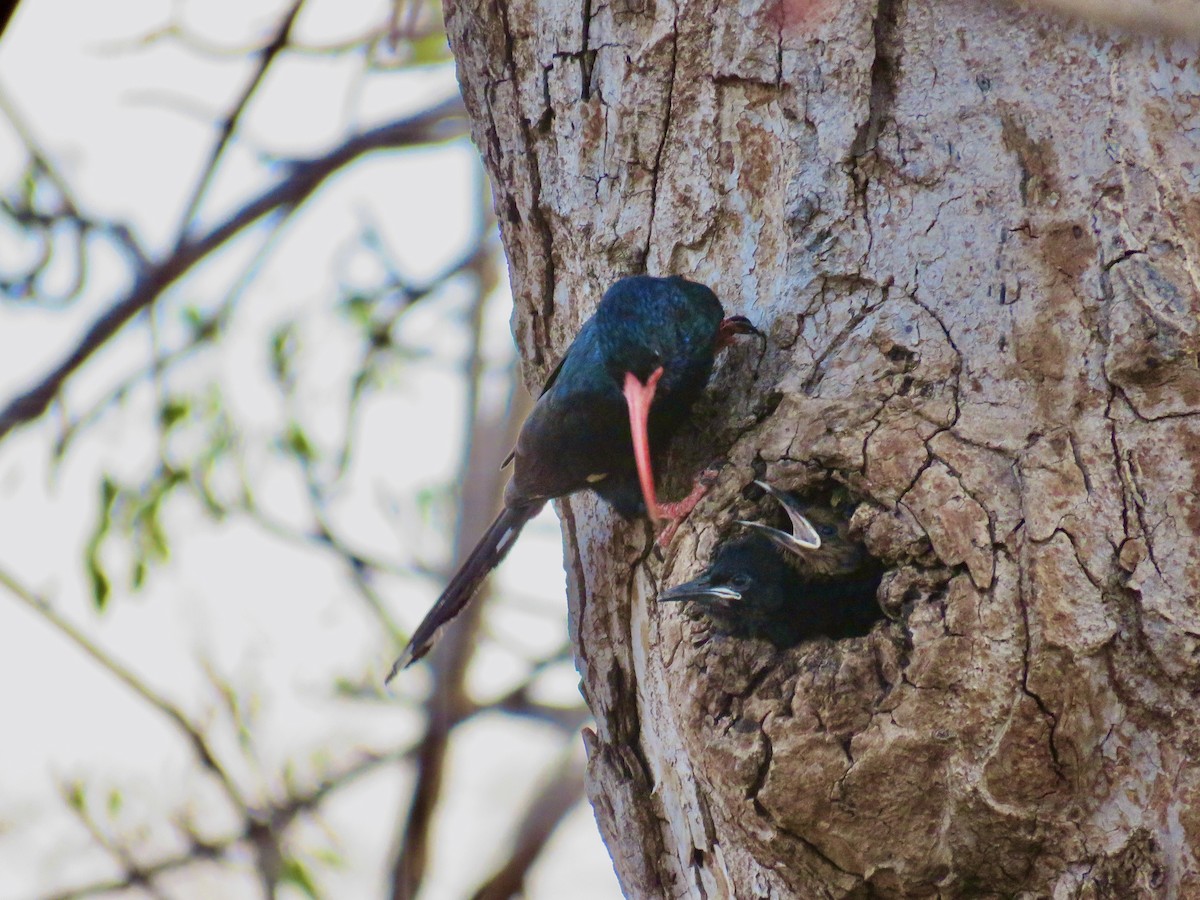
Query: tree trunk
(972, 233)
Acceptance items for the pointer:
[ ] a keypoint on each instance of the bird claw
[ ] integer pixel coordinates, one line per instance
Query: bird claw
(675, 513)
(803, 537)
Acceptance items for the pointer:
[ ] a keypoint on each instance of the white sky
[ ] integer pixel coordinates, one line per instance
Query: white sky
(129, 130)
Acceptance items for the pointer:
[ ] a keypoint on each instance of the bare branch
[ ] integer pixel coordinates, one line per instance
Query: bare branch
(17, 122)
(45, 224)
(203, 333)
(7, 8)
(390, 33)
(1174, 18)
(557, 797)
(192, 733)
(441, 122)
(136, 875)
(201, 850)
(267, 55)
(281, 814)
(483, 483)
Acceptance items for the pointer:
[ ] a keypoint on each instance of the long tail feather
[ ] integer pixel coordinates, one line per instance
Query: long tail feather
(488, 553)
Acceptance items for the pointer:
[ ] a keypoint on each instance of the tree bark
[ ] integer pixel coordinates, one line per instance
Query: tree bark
(972, 234)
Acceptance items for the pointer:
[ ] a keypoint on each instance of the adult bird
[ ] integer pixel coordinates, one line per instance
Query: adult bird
(787, 587)
(623, 388)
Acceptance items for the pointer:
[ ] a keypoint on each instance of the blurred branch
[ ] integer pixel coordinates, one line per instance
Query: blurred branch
(487, 437)
(1173, 18)
(76, 800)
(71, 207)
(322, 532)
(266, 56)
(204, 331)
(477, 260)
(438, 123)
(280, 814)
(447, 698)
(449, 660)
(390, 33)
(265, 800)
(199, 849)
(41, 159)
(192, 733)
(7, 8)
(557, 797)
(42, 222)
(356, 563)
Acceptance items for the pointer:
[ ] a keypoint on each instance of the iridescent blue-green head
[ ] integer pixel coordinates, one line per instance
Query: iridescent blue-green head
(646, 323)
(658, 338)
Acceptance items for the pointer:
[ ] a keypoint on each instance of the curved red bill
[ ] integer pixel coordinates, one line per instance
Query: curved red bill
(639, 397)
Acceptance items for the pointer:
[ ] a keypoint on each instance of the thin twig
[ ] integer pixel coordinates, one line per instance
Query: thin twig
(201, 850)
(266, 55)
(42, 159)
(557, 797)
(7, 8)
(120, 232)
(205, 332)
(482, 483)
(358, 564)
(438, 123)
(481, 253)
(135, 872)
(367, 40)
(280, 814)
(1173, 18)
(192, 733)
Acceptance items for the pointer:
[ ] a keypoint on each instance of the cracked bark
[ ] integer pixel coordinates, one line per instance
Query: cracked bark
(971, 234)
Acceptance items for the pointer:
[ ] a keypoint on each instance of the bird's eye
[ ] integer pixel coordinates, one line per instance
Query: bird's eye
(827, 531)
(740, 581)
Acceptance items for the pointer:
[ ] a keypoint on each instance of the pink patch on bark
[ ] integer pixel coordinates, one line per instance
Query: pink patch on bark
(792, 15)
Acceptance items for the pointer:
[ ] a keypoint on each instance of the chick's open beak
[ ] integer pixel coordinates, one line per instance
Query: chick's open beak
(804, 537)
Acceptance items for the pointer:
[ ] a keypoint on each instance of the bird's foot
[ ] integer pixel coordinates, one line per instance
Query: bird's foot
(674, 513)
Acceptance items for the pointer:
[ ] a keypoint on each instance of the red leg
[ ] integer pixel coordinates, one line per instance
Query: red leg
(674, 513)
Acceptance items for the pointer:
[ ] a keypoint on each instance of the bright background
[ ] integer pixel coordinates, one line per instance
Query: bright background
(266, 618)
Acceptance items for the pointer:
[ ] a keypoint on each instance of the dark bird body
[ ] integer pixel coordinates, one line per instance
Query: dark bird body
(578, 435)
(624, 387)
(754, 588)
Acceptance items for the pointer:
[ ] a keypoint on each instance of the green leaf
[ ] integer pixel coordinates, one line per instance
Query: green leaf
(357, 308)
(284, 343)
(108, 493)
(329, 857)
(138, 577)
(430, 49)
(156, 537)
(29, 181)
(173, 411)
(204, 490)
(194, 319)
(115, 802)
(97, 577)
(295, 873)
(76, 796)
(296, 442)
(101, 586)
